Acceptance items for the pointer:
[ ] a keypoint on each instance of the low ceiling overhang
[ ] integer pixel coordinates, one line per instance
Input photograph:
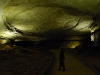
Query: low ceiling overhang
(36, 19)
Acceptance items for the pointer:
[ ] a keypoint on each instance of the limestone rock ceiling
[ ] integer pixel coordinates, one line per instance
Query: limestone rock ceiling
(32, 19)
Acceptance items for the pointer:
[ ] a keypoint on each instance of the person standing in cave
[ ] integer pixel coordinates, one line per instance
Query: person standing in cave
(61, 60)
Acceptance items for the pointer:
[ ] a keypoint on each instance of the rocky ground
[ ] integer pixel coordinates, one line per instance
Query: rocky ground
(90, 55)
(24, 62)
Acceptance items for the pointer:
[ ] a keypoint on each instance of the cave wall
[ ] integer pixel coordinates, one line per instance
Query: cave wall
(96, 37)
(95, 32)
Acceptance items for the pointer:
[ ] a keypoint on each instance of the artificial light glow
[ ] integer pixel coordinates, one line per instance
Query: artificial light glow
(92, 37)
(83, 26)
(72, 44)
(3, 41)
(9, 33)
(76, 43)
(95, 28)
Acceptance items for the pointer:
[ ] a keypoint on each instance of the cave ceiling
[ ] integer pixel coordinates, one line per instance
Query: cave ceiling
(36, 19)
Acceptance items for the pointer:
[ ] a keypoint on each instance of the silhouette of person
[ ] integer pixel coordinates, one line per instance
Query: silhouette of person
(61, 59)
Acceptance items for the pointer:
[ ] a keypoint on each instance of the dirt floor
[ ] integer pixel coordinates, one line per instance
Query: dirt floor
(24, 62)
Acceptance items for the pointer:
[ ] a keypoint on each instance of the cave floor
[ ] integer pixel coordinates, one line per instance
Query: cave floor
(30, 62)
(74, 65)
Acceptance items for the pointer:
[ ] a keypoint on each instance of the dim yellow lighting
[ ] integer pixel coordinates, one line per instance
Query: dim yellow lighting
(95, 28)
(72, 44)
(3, 41)
(9, 33)
(83, 26)
(92, 37)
